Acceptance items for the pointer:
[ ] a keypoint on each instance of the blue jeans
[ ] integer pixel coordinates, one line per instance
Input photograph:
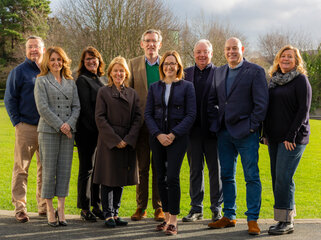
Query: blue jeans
(283, 166)
(229, 148)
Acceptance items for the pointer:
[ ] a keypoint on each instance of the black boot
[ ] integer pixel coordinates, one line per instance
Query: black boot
(281, 228)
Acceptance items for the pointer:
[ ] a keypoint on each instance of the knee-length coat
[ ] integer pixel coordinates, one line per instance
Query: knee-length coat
(118, 117)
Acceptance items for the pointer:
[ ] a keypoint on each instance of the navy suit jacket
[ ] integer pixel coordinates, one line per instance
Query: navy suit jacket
(189, 76)
(246, 105)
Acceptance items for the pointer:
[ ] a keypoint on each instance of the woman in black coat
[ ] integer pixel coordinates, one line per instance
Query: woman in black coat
(90, 70)
(169, 114)
(287, 131)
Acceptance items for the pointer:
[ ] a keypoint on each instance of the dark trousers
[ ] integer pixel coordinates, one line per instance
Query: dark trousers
(143, 157)
(168, 161)
(201, 146)
(88, 192)
(110, 198)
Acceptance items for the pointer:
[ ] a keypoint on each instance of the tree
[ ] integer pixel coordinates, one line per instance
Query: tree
(206, 28)
(114, 27)
(19, 18)
(270, 43)
(313, 64)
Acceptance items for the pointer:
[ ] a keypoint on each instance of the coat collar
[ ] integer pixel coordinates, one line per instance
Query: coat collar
(242, 73)
(119, 94)
(61, 87)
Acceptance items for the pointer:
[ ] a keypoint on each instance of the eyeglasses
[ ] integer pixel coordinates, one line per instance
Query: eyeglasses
(148, 41)
(172, 64)
(90, 59)
(34, 47)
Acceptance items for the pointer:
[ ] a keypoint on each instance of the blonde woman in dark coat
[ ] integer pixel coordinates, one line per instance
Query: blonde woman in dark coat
(58, 106)
(118, 120)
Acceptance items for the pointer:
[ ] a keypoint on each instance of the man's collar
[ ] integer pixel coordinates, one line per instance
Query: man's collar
(238, 65)
(207, 66)
(152, 64)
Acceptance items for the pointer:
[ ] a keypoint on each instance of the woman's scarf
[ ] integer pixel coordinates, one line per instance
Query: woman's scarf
(279, 78)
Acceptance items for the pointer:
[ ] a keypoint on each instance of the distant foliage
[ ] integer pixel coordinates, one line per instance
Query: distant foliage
(313, 65)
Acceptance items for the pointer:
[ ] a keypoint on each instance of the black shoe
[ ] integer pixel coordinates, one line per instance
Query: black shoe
(120, 222)
(216, 216)
(276, 225)
(53, 224)
(193, 216)
(110, 223)
(88, 216)
(282, 228)
(98, 213)
(61, 223)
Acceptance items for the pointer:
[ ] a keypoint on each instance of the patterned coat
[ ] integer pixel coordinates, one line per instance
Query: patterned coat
(118, 117)
(56, 103)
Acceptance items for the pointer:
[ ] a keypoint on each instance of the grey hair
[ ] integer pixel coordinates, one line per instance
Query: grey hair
(36, 37)
(207, 42)
(149, 31)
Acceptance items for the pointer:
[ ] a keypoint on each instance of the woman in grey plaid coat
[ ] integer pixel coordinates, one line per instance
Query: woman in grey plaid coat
(58, 106)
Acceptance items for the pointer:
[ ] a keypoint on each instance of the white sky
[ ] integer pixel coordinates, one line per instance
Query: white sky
(253, 17)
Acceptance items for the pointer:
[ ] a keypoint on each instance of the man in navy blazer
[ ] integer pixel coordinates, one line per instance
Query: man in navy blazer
(201, 142)
(237, 106)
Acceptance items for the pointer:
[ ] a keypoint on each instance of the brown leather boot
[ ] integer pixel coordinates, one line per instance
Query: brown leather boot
(253, 228)
(159, 215)
(139, 214)
(224, 222)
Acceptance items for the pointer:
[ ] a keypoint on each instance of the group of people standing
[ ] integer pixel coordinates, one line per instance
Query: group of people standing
(153, 103)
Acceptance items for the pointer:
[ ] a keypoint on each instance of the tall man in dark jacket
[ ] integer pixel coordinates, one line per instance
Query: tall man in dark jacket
(21, 107)
(201, 142)
(240, 98)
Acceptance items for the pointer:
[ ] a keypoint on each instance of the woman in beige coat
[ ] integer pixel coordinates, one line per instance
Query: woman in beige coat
(118, 120)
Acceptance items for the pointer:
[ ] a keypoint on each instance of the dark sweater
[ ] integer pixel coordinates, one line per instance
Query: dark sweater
(88, 85)
(19, 98)
(288, 113)
(200, 78)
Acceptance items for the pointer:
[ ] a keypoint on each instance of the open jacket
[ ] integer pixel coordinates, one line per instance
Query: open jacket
(245, 107)
(181, 109)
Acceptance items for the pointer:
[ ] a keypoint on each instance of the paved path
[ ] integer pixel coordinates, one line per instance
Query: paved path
(38, 229)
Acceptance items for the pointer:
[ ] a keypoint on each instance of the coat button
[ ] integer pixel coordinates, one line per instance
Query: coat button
(67, 106)
(58, 98)
(67, 115)
(58, 114)
(58, 106)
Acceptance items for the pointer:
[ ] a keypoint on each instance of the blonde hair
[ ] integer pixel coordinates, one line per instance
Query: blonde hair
(180, 71)
(299, 63)
(121, 61)
(66, 62)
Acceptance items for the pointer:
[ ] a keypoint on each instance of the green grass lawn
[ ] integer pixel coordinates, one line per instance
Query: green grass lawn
(307, 178)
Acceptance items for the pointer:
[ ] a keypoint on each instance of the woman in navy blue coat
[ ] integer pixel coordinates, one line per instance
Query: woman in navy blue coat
(169, 114)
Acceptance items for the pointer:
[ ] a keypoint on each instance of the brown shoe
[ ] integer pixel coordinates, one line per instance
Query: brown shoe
(171, 230)
(224, 222)
(139, 214)
(159, 215)
(253, 228)
(22, 217)
(162, 227)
